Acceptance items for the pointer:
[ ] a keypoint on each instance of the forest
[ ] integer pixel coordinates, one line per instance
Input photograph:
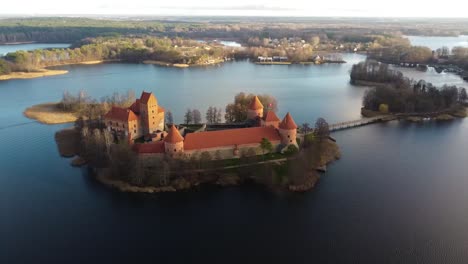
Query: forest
(70, 29)
(136, 49)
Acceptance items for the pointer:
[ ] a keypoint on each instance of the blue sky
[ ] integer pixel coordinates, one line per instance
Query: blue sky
(368, 8)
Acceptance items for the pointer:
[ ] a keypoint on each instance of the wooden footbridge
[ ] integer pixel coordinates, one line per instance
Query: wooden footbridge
(383, 118)
(360, 122)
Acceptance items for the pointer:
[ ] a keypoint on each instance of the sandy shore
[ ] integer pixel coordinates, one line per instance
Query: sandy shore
(91, 62)
(30, 75)
(48, 113)
(45, 72)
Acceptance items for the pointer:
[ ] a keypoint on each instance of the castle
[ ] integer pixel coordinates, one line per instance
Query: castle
(146, 117)
(143, 117)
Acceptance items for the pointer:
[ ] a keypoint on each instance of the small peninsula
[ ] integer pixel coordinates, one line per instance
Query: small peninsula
(50, 113)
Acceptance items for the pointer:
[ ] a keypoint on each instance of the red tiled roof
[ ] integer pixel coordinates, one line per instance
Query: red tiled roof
(147, 148)
(288, 123)
(173, 136)
(161, 109)
(145, 97)
(121, 114)
(230, 137)
(271, 117)
(255, 104)
(135, 107)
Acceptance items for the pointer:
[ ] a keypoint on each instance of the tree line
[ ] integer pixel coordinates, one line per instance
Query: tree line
(90, 109)
(136, 49)
(401, 94)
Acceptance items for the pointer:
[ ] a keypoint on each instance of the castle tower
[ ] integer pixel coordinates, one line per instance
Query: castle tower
(255, 109)
(270, 120)
(173, 142)
(151, 119)
(288, 130)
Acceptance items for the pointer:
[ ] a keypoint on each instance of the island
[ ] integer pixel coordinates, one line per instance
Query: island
(134, 146)
(394, 94)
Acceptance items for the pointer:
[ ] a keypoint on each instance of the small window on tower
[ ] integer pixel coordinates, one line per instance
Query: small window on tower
(290, 141)
(153, 111)
(288, 136)
(134, 131)
(175, 150)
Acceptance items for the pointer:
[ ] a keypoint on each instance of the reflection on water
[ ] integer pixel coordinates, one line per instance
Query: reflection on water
(435, 43)
(398, 195)
(4, 49)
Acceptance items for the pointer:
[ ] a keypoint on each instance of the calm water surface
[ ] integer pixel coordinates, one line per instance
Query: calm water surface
(398, 195)
(439, 42)
(4, 49)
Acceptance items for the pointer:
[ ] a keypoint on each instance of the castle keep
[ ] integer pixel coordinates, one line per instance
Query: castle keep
(143, 117)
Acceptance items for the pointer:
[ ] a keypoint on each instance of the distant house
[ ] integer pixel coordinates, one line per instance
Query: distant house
(317, 59)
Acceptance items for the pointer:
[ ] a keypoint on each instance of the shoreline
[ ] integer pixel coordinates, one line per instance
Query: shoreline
(18, 43)
(68, 144)
(49, 114)
(44, 72)
(31, 75)
(222, 179)
(180, 65)
(298, 63)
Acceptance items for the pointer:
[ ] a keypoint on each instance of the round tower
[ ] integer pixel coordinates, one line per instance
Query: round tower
(288, 130)
(173, 142)
(255, 109)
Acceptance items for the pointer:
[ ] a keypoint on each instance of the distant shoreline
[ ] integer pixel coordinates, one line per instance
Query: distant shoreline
(44, 71)
(181, 65)
(18, 43)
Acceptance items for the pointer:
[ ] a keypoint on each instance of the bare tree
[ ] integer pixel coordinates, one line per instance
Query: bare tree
(209, 115)
(218, 115)
(463, 95)
(188, 117)
(169, 117)
(322, 129)
(305, 128)
(196, 115)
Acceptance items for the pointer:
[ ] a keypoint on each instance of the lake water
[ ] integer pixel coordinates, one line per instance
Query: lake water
(4, 49)
(438, 42)
(398, 195)
(230, 43)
